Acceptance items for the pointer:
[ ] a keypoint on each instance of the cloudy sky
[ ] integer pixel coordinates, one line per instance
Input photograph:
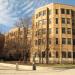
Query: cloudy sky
(12, 10)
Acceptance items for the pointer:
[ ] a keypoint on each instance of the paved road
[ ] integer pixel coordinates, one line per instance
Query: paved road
(4, 70)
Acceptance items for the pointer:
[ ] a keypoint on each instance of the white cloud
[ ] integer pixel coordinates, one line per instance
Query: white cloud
(11, 10)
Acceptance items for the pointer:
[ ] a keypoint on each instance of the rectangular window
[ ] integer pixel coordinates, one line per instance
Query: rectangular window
(74, 54)
(69, 40)
(49, 54)
(49, 11)
(44, 21)
(63, 21)
(36, 34)
(68, 20)
(40, 32)
(69, 54)
(73, 31)
(56, 30)
(63, 54)
(62, 11)
(63, 40)
(72, 12)
(56, 20)
(67, 11)
(36, 42)
(44, 31)
(40, 14)
(36, 16)
(43, 41)
(56, 11)
(50, 21)
(63, 30)
(44, 12)
(39, 41)
(73, 41)
(49, 41)
(69, 31)
(57, 55)
(56, 40)
(49, 30)
(36, 24)
(40, 22)
(73, 22)
(43, 54)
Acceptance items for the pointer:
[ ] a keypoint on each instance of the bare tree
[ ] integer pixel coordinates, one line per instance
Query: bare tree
(24, 23)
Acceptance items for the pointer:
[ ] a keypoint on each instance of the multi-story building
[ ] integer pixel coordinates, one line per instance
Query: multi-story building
(1, 44)
(53, 31)
(18, 41)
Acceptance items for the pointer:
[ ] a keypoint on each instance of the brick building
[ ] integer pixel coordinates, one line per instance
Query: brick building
(53, 30)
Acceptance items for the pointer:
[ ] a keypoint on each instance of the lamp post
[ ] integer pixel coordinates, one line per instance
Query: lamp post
(34, 66)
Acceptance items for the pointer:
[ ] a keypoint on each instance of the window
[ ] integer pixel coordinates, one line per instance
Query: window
(73, 41)
(63, 54)
(69, 30)
(73, 54)
(67, 11)
(69, 54)
(63, 21)
(43, 54)
(44, 31)
(44, 12)
(62, 11)
(57, 54)
(63, 40)
(40, 22)
(56, 20)
(73, 31)
(36, 15)
(72, 12)
(49, 11)
(68, 20)
(69, 40)
(36, 33)
(49, 30)
(56, 40)
(36, 42)
(50, 21)
(56, 11)
(49, 54)
(63, 31)
(44, 21)
(20, 32)
(43, 41)
(56, 30)
(36, 24)
(49, 40)
(40, 14)
(39, 41)
(73, 22)
(39, 32)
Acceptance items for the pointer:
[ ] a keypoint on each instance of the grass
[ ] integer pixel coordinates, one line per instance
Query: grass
(57, 65)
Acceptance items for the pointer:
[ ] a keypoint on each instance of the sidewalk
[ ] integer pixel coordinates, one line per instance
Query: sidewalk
(27, 70)
(22, 67)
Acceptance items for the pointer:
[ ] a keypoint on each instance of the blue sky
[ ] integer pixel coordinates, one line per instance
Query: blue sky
(12, 10)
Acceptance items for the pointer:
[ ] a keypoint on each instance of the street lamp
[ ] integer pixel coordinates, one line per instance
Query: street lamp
(34, 66)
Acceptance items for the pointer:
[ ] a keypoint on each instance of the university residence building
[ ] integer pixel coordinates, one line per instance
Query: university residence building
(54, 29)
(18, 42)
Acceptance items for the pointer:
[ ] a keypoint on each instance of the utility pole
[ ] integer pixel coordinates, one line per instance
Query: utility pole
(47, 38)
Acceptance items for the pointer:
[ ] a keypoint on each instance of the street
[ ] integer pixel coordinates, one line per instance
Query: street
(8, 70)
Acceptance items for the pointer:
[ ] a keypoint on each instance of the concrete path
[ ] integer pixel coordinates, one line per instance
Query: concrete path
(21, 67)
(9, 69)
